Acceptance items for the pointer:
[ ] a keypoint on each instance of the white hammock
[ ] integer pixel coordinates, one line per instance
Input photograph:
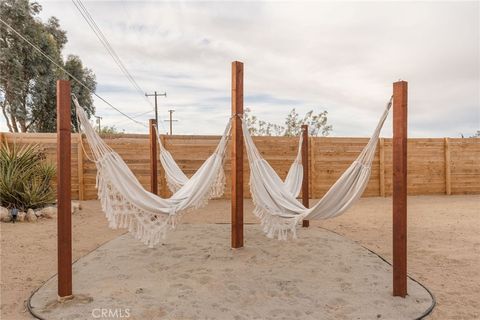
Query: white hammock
(128, 205)
(280, 211)
(173, 174)
(294, 179)
(176, 178)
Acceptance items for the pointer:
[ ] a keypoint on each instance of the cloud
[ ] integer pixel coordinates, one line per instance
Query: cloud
(339, 57)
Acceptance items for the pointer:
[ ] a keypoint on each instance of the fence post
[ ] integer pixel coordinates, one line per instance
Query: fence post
(237, 155)
(311, 157)
(382, 167)
(64, 196)
(400, 97)
(448, 170)
(305, 181)
(153, 156)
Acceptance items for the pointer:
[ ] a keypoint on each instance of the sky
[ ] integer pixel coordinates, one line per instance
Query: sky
(341, 57)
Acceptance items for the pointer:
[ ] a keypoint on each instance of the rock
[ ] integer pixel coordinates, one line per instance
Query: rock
(76, 207)
(21, 216)
(48, 212)
(5, 215)
(31, 217)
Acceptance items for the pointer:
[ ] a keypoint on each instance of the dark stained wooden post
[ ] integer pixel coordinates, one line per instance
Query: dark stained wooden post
(64, 220)
(305, 181)
(153, 156)
(237, 155)
(400, 95)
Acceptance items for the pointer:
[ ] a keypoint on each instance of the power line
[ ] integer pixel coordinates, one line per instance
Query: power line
(68, 73)
(106, 44)
(98, 32)
(142, 114)
(135, 116)
(16, 91)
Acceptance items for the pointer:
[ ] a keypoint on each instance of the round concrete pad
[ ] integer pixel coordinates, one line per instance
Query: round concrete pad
(196, 275)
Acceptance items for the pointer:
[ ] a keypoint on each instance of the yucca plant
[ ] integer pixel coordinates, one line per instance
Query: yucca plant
(25, 177)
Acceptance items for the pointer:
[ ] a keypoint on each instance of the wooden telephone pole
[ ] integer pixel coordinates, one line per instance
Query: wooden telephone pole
(155, 94)
(171, 120)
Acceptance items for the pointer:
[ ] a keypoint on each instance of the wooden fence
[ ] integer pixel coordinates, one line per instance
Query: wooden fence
(435, 165)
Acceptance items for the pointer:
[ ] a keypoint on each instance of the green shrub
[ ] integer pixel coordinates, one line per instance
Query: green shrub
(25, 177)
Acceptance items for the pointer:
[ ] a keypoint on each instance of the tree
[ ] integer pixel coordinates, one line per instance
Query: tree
(75, 67)
(27, 78)
(476, 134)
(18, 63)
(317, 124)
(110, 130)
(293, 124)
(251, 122)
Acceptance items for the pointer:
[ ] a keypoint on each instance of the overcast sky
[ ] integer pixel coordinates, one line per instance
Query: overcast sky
(339, 57)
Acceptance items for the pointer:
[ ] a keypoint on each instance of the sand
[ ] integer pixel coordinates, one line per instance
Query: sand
(444, 245)
(196, 275)
(29, 254)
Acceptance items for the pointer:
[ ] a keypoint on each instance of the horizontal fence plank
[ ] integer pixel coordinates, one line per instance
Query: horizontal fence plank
(330, 157)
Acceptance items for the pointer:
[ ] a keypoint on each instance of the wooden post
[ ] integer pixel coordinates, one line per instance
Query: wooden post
(64, 219)
(164, 191)
(305, 181)
(153, 156)
(311, 157)
(400, 96)
(448, 173)
(81, 183)
(382, 167)
(237, 155)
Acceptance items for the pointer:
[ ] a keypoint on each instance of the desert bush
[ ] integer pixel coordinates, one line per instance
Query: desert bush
(25, 177)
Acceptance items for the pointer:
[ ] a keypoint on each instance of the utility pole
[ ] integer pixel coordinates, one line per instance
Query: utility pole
(171, 111)
(98, 121)
(155, 94)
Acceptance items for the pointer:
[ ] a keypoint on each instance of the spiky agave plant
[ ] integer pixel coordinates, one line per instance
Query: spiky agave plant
(25, 177)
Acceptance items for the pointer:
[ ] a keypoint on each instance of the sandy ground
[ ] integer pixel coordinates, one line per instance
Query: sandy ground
(194, 274)
(29, 254)
(444, 247)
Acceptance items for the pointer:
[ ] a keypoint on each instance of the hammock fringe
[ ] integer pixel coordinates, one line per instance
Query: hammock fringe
(120, 213)
(275, 226)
